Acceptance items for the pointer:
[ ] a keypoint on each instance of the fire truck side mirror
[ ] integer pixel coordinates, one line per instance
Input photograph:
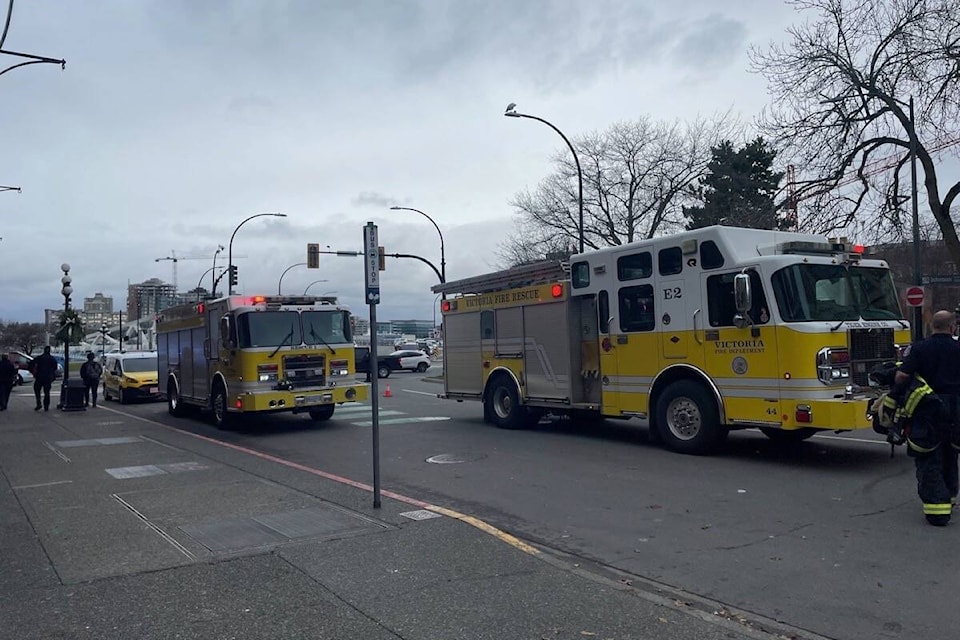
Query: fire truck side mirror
(225, 333)
(742, 296)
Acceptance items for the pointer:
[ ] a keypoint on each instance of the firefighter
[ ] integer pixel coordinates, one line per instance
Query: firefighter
(934, 438)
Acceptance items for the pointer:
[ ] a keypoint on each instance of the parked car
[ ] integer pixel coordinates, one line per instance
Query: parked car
(131, 376)
(412, 360)
(23, 377)
(385, 363)
(23, 360)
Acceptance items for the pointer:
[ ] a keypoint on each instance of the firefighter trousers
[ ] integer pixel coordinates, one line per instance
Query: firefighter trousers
(933, 444)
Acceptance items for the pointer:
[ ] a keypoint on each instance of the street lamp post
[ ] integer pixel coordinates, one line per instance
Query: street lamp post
(443, 260)
(103, 340)
(203, 275)
(213, 276)
(513, 113)
(313, 283)
(67, 403)
(280, 281)
(230, 247)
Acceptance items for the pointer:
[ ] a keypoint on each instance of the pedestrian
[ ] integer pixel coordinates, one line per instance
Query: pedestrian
(8, 375)
(90, 373)
(934, 436)
(44, 369)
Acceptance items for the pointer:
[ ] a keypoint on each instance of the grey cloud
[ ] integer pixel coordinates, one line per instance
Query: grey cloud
(710, 43)
(374, 199)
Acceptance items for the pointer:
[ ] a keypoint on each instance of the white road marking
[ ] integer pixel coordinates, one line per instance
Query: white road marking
(369, 423)
(422, 393)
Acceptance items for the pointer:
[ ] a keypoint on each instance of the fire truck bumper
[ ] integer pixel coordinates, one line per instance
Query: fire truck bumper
(300, 400)
(837, 414)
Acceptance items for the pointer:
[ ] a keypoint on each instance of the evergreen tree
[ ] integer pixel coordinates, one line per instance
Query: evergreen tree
(739, 188)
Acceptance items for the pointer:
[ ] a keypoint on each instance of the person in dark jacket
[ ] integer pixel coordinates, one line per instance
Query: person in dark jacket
(8, 374)
(90, 373)
(934, 438)
(44, 373)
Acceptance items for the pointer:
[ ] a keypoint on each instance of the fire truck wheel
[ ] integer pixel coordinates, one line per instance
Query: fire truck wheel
(687, 418)
(174, 406)
(322, 413)
(503, 405)
(789, 437)
(221, 418)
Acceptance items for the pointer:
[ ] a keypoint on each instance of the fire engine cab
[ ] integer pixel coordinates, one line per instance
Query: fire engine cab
(251, 354)
(692, 334)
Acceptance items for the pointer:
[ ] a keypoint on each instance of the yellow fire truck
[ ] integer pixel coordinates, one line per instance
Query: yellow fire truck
(248, 354)
(693, 334)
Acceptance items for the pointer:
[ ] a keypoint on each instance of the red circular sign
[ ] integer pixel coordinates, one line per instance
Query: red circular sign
(915, 296)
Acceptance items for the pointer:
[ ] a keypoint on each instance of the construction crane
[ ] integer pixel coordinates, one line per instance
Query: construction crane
(173, 257)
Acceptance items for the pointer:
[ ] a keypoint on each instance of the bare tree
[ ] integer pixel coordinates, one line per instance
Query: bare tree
(25, 336)
(841, 89)
(637, 176)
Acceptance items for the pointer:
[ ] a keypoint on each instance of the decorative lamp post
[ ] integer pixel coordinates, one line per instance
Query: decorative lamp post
(511, 112)
(443, 260)
(103, 340)
(230, 266)
(66, 290)
(68, 326)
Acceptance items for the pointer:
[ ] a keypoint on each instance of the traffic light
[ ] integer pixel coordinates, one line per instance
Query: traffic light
(233, 275)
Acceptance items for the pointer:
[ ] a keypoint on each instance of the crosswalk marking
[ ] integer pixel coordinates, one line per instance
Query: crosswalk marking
(369, 423)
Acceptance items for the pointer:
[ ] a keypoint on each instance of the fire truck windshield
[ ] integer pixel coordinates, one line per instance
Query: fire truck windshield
(808, 292)
(326, 327)
(268, 329)
(290, 328)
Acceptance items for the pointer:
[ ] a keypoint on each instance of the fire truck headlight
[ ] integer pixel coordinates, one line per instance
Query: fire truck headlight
(833, 365)
(267, 372)
(339, 368)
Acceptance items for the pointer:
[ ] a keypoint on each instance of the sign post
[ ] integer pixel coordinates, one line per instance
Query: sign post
(371, 269)
(914, 296)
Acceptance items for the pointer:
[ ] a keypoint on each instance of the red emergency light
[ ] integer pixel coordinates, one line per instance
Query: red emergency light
(556, 290)
(445, 306)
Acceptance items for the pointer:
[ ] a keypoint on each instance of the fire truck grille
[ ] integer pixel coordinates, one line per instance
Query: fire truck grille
(869, 347)
(305, 371)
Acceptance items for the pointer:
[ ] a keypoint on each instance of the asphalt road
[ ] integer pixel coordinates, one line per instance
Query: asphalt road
(827, 536)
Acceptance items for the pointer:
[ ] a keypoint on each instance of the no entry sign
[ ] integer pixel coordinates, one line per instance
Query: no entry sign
(915, 296)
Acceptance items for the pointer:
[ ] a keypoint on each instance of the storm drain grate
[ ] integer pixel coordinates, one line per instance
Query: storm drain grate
(276, 528)
(420, 514)
(95, 442)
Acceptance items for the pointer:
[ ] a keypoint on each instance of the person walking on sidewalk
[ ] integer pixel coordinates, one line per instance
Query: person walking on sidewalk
(8, 374)
(44, 373)
(90, 373)
(934, 436)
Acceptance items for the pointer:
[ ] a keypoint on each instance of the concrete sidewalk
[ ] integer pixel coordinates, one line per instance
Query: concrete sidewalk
(112, 526)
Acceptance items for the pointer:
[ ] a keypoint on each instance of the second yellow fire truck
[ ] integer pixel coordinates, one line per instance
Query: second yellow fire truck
(241, 355)
(693, 334)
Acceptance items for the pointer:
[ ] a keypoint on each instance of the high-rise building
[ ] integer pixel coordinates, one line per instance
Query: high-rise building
(98, 310)
(149, 297)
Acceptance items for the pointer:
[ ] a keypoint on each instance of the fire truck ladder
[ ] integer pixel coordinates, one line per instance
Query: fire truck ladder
(535, 273)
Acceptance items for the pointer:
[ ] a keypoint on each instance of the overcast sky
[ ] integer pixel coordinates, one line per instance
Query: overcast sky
(174, 120)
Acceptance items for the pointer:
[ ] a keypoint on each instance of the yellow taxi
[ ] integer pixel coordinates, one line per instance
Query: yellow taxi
(131, 376)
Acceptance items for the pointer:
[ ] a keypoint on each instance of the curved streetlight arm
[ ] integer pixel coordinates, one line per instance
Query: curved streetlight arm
(443, 261)
(512, 113)
(201, 280)
(280, 282)
(423, 260)
(230, 248)
(311, 284)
